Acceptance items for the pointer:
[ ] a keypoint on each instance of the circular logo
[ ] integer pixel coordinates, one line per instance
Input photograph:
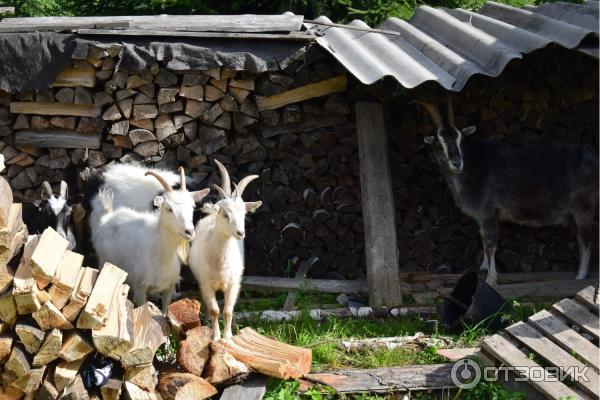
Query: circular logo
(465, 374)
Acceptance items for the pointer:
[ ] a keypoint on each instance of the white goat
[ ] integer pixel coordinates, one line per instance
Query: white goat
(217, 253)
(145, 243)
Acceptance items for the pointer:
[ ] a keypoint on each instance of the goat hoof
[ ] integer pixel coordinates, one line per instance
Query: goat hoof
(581, 276)
(492, 280)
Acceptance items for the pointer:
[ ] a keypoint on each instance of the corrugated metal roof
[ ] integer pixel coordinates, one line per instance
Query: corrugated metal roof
(450, 45)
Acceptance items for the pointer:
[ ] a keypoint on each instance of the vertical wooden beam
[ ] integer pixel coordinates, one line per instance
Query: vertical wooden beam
(381, 248)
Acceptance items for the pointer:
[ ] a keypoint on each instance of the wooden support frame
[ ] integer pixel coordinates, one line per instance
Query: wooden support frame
(381, 247)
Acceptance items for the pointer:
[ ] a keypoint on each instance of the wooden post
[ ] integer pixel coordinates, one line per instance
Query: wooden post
(381, 248)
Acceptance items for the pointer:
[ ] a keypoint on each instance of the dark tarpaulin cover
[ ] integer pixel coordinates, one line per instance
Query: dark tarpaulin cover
(32, 60)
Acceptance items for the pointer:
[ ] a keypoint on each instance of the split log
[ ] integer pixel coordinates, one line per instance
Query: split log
(115, 338)
(75, 77)
(21, 122)
(147, 124)
(86, 280)
(242, 84)
(126, 106)
(65, 278)
(238, 94)
(222, 367)
(144, 376)
(25, 290)
(6, 254)
(195, 92)
(136, 393)
(6, 343)
(6, 199)
(83, 96)
(98, 306)
(135, 81)
(167, 95)
(125, 94)
(75, 110)
(220, 84)
(329, 86)
(16, 366)
(194, 351)
(143, 111)
(30, 335)
(150, 330)
(111, 390)
(140, 135)
(57, 138)
(75, 347)
(112, 113)
(8, 308)
(50, 348)
(49, 317)
(120, 128)
(10, 393)
(184, 314)
(47, 391)
(75, 390)
(46, 256)
(269, 356)
(14, 223)
(30, 382)
(65, 373)
(212, 93)
(184, 386)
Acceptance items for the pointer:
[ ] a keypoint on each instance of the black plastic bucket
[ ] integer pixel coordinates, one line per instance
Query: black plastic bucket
(471, 301)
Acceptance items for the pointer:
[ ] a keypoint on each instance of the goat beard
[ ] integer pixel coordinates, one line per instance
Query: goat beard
(183, 251)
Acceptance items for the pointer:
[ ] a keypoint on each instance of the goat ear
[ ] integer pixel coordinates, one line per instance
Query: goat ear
(469, 130)
(252, 206)
(200, 194)
(158, 200)
(428, 139)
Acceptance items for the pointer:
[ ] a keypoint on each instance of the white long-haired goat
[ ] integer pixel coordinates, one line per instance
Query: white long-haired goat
(145, 243)
(217, 253)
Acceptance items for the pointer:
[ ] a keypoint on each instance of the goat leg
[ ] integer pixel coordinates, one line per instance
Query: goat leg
(213, 308)
(140, 296)
(231, 295)
(584, 241)
(490, 230)
(485, 264)
(167, 297)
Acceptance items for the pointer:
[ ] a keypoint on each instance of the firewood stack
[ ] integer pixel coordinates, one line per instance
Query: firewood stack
(55, 314)
(298, 137)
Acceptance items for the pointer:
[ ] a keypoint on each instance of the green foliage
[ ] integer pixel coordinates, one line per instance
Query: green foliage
(34, 8)
(488, 391)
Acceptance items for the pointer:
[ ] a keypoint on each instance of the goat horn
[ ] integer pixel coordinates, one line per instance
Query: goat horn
(64, 189)
(433, 112)
(239, 189)
(46, 188)
(162, 181)
(450, 111)
(221, 192)
(225, 181)
(182, 175)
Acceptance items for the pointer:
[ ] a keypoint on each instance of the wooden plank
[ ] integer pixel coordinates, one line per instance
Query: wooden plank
(300, 276)
(98, 306)
(544, 290)
(555, 355)
(292, 36)
(457, 353)
(586, 297)
(505, 352)
(85, 284)
(410, 377)
(75, 110)
(378, 207)
(566, 337)
(316, 285)
(310, 91)
(115, 338)
(57, 138)
(204, 23)
(253, 388)
(579, 315)
(75, 77)
(308, 123)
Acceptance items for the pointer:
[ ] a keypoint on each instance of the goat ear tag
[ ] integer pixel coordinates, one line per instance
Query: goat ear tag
(428, 139)
(158, 200)
(469, 130)
(252, 206)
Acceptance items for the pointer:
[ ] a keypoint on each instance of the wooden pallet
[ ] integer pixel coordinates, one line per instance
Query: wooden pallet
(566, 336)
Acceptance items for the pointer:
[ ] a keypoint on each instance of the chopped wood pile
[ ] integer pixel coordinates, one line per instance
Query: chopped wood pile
(289, 126)
(55, 314)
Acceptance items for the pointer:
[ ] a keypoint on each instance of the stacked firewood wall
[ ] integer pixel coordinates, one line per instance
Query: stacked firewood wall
(550, 95)
(304, 149)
